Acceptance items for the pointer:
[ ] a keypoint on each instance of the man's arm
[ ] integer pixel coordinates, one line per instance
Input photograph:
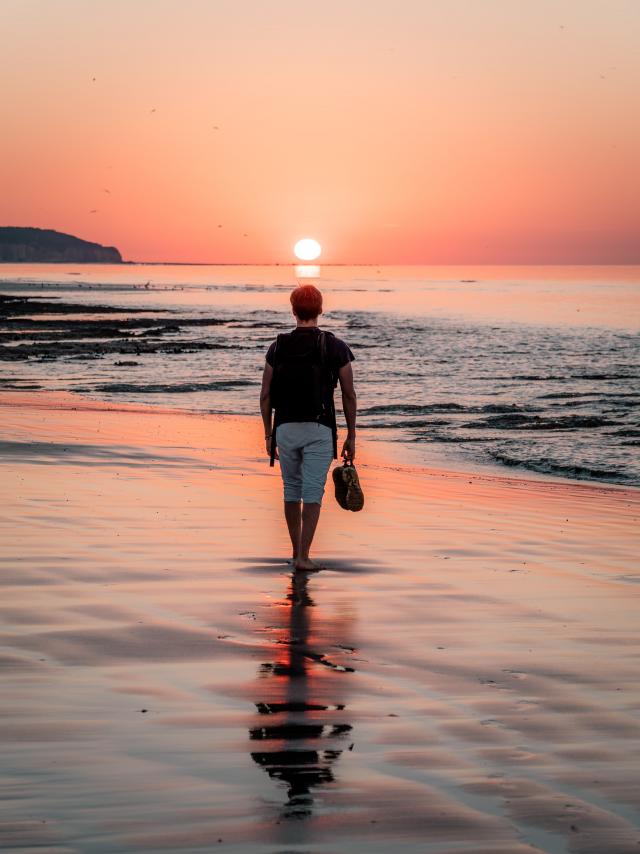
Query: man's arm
(265, 404)
(349, 405)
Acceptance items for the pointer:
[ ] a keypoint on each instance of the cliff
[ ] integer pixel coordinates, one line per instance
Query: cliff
(44, 244)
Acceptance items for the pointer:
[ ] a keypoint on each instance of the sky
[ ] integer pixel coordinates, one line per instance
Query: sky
(391, 131)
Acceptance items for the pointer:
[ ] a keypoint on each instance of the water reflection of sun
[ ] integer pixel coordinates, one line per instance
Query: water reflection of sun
(307, 271)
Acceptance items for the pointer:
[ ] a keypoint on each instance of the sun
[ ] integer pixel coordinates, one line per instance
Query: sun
(307, 249)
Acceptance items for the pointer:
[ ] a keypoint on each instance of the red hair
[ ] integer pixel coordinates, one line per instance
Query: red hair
(306, 301)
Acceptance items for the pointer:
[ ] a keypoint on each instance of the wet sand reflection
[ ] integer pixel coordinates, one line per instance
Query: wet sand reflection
(302, 726)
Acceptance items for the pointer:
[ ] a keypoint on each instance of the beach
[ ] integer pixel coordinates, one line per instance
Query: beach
(461, 677)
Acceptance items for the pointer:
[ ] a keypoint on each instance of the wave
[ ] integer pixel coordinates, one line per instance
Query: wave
(18, 385)
(520, 421)
(411, 408)
(536, 378)
(561, 395)
(635, 394)
(403, 425)
(427, 408)
(257, 324)
(568, 377)
(624, 403)
(165, 388)
(575, 395)
(546, 466)
(505, 408)
(452, 439)
(616, 376)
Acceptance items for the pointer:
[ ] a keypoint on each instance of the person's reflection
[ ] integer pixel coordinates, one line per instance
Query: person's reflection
(303, 721)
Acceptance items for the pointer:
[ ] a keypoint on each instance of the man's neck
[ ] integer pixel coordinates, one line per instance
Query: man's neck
(307, 324)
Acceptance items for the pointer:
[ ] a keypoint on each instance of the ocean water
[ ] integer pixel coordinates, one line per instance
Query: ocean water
(518, 368)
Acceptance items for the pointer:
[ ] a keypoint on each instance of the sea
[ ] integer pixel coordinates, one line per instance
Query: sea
(528, 370)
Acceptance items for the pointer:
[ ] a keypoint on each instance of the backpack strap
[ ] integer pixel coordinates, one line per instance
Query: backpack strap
(325, 369)
(323, 348)
(276, 348)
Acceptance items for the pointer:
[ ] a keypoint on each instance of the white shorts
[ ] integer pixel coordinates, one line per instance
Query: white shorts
(305, 449)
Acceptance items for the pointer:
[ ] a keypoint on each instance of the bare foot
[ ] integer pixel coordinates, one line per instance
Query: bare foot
(307, 565)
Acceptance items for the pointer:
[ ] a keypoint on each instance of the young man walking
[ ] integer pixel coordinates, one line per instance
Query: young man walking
(302, 369)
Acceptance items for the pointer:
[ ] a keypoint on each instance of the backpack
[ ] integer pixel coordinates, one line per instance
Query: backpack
(301, 382)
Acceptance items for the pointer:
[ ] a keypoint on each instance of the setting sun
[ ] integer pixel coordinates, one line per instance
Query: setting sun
(307, 249)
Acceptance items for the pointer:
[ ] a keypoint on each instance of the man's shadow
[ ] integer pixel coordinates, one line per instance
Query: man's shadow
(303, 727)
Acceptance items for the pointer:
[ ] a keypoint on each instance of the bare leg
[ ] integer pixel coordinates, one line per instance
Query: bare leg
(310, 516)
(293, 516)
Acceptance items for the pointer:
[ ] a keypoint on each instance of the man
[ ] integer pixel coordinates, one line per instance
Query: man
(302, 370)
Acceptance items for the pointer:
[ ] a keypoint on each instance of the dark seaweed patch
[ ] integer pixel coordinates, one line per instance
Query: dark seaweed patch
(165, 388)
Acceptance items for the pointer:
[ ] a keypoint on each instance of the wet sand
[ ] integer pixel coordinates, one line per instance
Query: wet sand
(461, 679)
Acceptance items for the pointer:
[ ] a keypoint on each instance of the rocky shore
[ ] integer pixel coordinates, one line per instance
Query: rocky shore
(26, 334)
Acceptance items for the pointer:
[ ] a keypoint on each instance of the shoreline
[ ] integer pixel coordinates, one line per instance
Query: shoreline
(71, 401)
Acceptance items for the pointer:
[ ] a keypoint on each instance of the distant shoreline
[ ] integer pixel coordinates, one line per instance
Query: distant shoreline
(27, 244)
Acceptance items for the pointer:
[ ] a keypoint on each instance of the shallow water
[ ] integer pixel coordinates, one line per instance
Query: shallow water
(528, 368)
(461, 678)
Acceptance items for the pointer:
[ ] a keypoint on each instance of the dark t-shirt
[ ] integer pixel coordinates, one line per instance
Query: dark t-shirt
(338, 355)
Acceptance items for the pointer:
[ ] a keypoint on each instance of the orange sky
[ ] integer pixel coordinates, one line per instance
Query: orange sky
(392, 131)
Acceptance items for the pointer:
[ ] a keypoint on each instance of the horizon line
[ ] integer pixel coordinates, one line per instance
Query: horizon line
(379, 264)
